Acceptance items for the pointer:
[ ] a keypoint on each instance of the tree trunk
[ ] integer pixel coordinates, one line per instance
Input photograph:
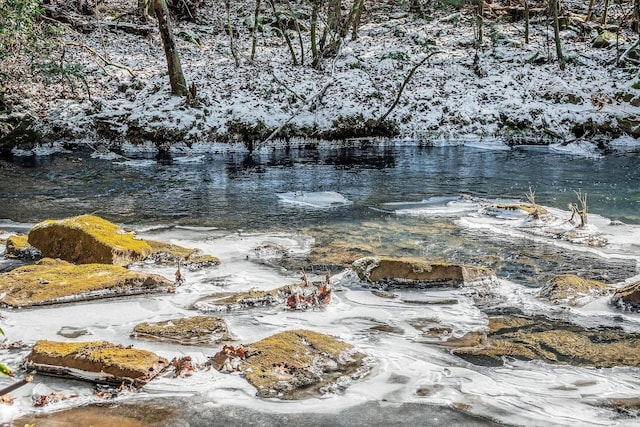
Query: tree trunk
(317, 60)
(254, 31)
(605, 12)
(526, 21)
(553, 6)
(176, 76)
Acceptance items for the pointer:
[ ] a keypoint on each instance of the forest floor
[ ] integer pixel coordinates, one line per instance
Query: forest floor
(513, 93)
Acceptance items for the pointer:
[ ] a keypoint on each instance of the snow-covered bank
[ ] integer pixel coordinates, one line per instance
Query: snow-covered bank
(516, 92)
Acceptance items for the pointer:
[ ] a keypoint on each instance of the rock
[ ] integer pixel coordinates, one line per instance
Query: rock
(167, 253)
(551, 341)
(298, 364)
(186, 331)
(87, 239)
(18, 247)
(628, 297)
(606, 39)
(416, 273)
(297, 297)
(529, 208)
(96, 361)
(54, 281)
(573, 290)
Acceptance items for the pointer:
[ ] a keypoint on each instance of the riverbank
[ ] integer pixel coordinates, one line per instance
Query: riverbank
(515, 93)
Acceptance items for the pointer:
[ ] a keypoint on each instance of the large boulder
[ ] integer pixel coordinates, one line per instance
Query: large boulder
(52, 281)
(185, 331)
(573, 290)
(551, 341)
(97, 361)
(628, 297)
(416, 273)
(87, 239)
(295, 364)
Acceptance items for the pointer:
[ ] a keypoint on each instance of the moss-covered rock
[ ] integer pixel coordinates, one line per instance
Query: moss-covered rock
(87, 239)
(573, 290)
(52, 281)
(18, 247)
(168, 253)
(97, 361)
(186, 331)
(300, 363)
(628, 297)
(416, 273)
(551, 341)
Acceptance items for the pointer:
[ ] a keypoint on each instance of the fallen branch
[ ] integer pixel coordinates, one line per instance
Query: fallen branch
(404, 84)
(16, 385)
(100, 57)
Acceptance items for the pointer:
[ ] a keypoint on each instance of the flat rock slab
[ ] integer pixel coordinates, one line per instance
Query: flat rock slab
(573, 290)
(168, 253)
(186, 331)
(297, 364)
(54, 281)
(551, 341)
(416, 273)
(87, 239)
(96, 361)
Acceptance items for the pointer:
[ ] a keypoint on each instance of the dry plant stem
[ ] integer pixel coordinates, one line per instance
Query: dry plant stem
(404, 84)
(283, 30)
(589, 11)
(531, 197)
(287, 88)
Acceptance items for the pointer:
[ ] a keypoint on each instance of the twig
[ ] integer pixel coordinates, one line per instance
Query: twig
(16, 385)
(404, 84)
(287, 88)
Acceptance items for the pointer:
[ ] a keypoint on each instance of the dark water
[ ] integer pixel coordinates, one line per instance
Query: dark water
(239, 190)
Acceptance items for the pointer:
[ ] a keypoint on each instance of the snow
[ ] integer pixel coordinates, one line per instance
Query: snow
(444, 101)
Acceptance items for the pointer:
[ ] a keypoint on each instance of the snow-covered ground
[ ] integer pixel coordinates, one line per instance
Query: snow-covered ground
(515, 93)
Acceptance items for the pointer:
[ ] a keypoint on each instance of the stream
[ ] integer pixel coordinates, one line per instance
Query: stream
(271, 214)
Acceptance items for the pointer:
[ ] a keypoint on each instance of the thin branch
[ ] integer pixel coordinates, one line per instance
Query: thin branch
(404, 84)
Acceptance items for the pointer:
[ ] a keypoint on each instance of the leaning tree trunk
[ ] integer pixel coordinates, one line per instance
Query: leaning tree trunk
(176, 76)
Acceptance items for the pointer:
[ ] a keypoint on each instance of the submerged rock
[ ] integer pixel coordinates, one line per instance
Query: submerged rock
(415, 273)
(52, 281)
(187, 331)
(551, 341)
(18, 247)
(573, 290)
(628, 297)
(168, 253)
(297, 364)
(87, 239)
(96, 361)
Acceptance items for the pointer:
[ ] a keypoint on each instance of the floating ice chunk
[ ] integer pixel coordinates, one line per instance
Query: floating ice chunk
(136, 163)
(442, 206)
(188, 159)
(314, 199)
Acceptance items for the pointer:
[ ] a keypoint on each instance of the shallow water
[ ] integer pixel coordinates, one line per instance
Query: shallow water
(402, 201)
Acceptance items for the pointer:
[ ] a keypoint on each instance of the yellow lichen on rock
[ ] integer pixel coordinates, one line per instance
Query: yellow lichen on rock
(168, 253)
(574, 290)
(55, 281)
(98, 361)
(186, 331)
(18, 247)
(87, 239)
(298, 363)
